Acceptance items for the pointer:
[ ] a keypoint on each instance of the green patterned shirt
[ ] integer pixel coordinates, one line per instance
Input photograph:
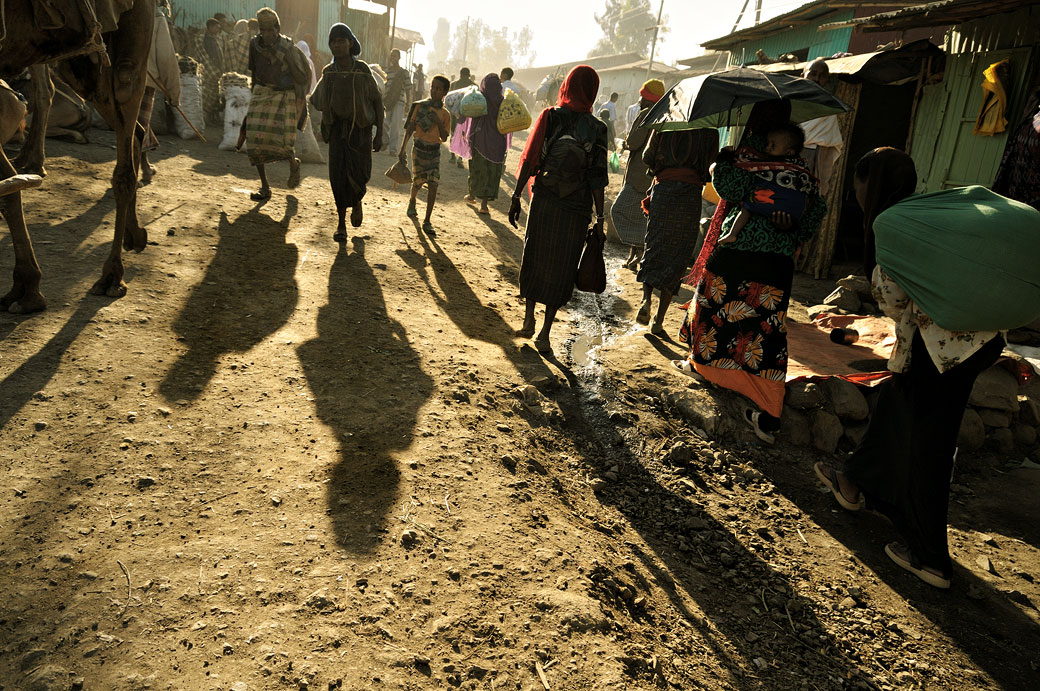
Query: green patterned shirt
(759, 234)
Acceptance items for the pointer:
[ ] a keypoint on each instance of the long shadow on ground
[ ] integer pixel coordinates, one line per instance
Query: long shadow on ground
(249, 292)
(998, 637)
(750, 616)
(369, 386)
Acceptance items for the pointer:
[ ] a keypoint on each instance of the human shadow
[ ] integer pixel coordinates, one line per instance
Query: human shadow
(1004, 504)
(369, 386)
(979, 619)
(505, 246)
(749, 615)
(249, 292)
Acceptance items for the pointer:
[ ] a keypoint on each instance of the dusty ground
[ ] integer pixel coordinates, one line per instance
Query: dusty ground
(280, 463)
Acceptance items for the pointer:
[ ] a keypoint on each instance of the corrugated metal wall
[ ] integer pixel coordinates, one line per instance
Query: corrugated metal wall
(945, 150)
(195, 12)
(819, 43)
(1007, 30)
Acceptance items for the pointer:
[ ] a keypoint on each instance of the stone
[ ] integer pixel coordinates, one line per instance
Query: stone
(860, 285)
(1028, 411)
(1024, 435)
(995, 418)
(410, 537)
(972, 434)
(847, 401)
(817, 310)
(1002, 440)
(794, 427)
(856, 431)
(239, 686)
(847, 603)
(984, 564)
(826, 431)
(577, 613)
(844, 299)
(804, 395)
(319, 600)
(681, 453)
(47, 678)
(509, 462)
(699, 408)
(995, 388)
(40, 425)
(143, 482)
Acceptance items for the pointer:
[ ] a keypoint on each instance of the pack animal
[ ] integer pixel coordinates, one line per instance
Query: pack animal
(109, 70)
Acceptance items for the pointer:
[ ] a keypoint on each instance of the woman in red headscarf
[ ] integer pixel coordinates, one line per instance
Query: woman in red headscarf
(566, 155)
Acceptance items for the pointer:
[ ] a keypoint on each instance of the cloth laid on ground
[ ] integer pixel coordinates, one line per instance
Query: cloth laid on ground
(968, 257)
(812, 354)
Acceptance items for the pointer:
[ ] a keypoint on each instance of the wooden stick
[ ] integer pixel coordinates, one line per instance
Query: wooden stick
(129, 591)
(541, 674)
(17, 183)
(178, 108)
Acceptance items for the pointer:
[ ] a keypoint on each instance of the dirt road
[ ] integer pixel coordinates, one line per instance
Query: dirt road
(281, 463)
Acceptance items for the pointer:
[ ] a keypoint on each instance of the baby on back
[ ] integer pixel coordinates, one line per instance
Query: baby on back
(777, 180)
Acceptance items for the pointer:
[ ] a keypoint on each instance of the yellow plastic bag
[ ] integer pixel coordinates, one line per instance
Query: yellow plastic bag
(513, 115)
(709, 194)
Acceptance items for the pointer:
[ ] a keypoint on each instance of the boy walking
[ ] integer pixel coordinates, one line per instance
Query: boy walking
(431, 124)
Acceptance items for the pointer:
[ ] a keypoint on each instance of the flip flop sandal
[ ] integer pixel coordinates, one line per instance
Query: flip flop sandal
(357, 215)
(294, 175)
(484, 212)
(830, 481)
(262, 195)
(684, 367)
(899, 554)
(469, 200)
(751, 417)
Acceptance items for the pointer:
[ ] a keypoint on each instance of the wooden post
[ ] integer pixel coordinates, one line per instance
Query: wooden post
(653, 46)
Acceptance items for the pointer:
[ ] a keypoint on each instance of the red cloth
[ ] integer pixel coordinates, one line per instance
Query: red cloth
(681, 174)
(577, 93)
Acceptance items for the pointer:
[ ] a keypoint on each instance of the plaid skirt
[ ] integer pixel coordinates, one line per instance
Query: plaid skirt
(271, 125)
(553, 243)
(426, 163)
(671, 234)
(627, 214)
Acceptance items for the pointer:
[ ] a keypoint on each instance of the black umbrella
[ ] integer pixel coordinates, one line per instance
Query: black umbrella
(724, 99)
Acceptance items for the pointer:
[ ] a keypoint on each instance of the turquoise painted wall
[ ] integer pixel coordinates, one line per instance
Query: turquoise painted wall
(819, 43)
(196, 12)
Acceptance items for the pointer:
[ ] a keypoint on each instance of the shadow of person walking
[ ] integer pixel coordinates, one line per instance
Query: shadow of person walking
(249, 292)
(369, 386)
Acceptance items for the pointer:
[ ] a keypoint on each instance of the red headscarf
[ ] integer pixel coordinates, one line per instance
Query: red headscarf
(577, 93)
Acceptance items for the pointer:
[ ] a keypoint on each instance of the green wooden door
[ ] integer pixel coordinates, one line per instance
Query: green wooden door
(961, 157)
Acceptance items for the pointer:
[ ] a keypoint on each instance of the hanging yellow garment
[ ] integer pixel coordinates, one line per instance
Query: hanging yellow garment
(992, 120)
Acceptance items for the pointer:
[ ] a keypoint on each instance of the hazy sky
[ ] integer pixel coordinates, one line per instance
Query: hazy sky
(566, 30)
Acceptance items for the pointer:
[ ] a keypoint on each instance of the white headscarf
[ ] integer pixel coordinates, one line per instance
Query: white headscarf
(306, 50)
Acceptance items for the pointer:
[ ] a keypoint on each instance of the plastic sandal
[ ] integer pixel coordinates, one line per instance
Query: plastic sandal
(899, 554)
(830, 481)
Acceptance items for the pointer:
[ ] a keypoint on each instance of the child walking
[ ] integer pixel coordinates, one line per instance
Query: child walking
(430, 123)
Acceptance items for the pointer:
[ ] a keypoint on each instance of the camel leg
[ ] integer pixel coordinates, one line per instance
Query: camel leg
(30, 158)
(118, 99)
(25, 295)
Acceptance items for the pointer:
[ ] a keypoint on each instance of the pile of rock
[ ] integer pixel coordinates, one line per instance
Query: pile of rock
(822, 413)
(851, 296)
(1002, 415)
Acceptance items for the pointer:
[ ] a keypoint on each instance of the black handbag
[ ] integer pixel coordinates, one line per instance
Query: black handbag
(592, 272)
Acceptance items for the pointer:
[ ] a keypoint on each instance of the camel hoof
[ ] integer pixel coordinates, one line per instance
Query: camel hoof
(28, 305)
(116, 291)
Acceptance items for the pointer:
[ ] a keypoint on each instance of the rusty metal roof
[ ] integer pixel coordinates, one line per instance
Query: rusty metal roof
(801, 16)
(938, 13)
